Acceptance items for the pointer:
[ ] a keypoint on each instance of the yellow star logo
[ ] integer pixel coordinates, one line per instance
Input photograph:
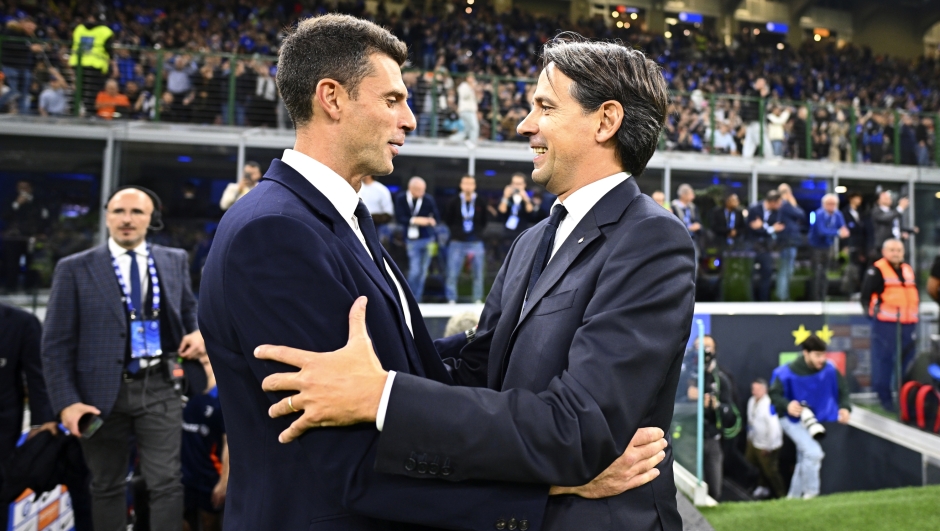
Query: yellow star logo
(825, 334)
(800, 335)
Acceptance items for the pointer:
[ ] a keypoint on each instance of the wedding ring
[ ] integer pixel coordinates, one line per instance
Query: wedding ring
(290, 403)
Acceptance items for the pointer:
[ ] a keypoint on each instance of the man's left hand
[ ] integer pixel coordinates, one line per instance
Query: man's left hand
(635, 468)
(334, 388)
(844, 416)
(193, 346)
(218, 494)
(49, 426)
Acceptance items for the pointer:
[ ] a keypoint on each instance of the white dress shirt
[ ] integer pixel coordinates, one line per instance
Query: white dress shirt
(339, 192)
(124, 264)
(763, 427)
(377, 198)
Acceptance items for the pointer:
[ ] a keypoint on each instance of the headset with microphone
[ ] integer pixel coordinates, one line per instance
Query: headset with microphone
(156, 219)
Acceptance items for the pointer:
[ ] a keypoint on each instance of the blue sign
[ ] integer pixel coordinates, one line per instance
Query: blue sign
(778, 27)
(691, 18)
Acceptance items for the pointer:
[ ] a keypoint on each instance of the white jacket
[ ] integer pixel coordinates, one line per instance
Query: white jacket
(763, 427)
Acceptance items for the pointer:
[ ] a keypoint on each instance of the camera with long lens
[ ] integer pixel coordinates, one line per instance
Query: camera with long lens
(812, 425)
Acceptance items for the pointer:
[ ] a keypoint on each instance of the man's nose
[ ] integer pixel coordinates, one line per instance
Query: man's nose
(410, 123)
(527, 127)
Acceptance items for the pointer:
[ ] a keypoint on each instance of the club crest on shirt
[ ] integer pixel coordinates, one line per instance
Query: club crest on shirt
(3, 362)
(209, 410)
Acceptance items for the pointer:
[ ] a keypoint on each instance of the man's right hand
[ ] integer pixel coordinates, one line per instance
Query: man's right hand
(794, 409)
(635, 468)
(779, 226)
(72, 414)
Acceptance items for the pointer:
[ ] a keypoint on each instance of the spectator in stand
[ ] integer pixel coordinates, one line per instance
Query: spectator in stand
(18, 59)
(26, 223)
(857, 242)
(751, 114)
(764, 439)
(722, 418)
(684, 208)
(763, 220)
(788, 239)
(417, 213)
(52, 100)
(891, 300)
(378, 200)
(204, 456)
(206, 97)
(908, 140)
(261, 110)
(110, 102)
(888, 222)
(922, 135)
(798, 133)
(777, 119)
(724, 140)
(467, 109)
(179, 72)
(728, 223)
(251, 174)
(809, 382)
(515, 210)
(466, 216)
(660, 198)
(828, 225)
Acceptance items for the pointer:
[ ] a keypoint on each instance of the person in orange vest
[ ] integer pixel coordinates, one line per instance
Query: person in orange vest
(889, 296)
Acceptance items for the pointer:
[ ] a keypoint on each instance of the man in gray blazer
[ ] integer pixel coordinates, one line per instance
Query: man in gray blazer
(117, 316)
(889, 222)
(583, 333)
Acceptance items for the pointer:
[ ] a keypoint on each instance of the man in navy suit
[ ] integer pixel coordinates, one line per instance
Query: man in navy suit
(764, 225)
(417, 213)
(117, 316)
(583, 333)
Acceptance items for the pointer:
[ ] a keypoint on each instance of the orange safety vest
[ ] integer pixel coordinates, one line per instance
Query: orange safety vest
(898, 295)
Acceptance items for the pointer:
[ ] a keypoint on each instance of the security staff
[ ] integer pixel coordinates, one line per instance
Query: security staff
(117, 316)
(91, 44)
(891, 300)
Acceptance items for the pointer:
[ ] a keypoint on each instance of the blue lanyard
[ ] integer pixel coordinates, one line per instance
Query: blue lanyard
(154, 283)
(688, 216)
(467, 208)
(731, 220)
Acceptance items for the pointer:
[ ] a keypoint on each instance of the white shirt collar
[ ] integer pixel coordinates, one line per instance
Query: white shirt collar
(117, 250)
(582, 200)
(336, 189)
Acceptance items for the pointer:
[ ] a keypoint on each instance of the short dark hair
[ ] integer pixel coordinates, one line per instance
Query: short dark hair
(253, 164)
(605, 71)
(330, 47)
(772, 196)
(813, 344)
(853, 195)
(762, 381)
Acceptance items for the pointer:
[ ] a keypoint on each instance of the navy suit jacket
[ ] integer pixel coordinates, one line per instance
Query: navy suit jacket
(562, 386)
(20, 333)
(760, 239)
(428, 210)
(84, 337)
(285, 269)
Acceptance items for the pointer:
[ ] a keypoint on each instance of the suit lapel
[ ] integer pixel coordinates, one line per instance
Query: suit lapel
(102, 272)
(301, 187)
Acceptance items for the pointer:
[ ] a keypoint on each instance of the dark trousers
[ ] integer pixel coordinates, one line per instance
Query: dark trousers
(713, 466)
(765, 260)
(768, 463)
(13, 251)
(151, 410)
(821, 260)
(884, 349)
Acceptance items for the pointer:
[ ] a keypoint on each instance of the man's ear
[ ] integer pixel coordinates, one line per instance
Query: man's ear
(610, 116)
(329, 97)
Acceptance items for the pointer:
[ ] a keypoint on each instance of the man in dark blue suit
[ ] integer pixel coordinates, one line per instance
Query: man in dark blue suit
(764, 224)
(583, 333)
(287, 263)
(417, 213)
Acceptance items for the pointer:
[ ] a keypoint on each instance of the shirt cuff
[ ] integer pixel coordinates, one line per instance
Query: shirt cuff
(383, 402)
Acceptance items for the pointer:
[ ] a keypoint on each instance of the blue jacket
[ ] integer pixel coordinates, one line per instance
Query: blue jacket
(793, 217)
(825, 228)
(820, 390)
(284, 269)
(428, 209)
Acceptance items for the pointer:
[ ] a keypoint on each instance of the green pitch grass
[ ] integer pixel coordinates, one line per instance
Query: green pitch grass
(908, 509)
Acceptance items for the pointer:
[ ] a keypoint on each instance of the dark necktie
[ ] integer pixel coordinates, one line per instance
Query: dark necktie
(545, 246)
(367, 226)
(136, 301)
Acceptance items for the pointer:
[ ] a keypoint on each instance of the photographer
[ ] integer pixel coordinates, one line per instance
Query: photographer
(805, 391)
(722, 418)
(235, 191)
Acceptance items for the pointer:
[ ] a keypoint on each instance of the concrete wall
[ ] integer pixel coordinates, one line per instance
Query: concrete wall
(890, 30)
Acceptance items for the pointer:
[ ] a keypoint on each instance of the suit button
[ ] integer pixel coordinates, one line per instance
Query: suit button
(512, 524)
(410, 464)
(433, 469)
(445, 471)
(523, 525)
(422, 467)
(501, 524)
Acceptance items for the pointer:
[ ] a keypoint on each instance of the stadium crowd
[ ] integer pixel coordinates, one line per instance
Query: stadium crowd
(821, 101)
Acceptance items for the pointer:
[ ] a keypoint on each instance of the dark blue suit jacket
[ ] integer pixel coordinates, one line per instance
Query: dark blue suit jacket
(20, 335)
(563, 385)
(84, 336)
(428, 210)
(285, 269)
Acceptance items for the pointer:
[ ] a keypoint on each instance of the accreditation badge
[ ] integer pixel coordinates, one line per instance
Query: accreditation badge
(145, 339)
(413, 232)
(468, 225)
(512, 222)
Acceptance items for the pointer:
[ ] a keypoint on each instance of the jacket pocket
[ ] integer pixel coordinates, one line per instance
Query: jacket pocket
(556, 303)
